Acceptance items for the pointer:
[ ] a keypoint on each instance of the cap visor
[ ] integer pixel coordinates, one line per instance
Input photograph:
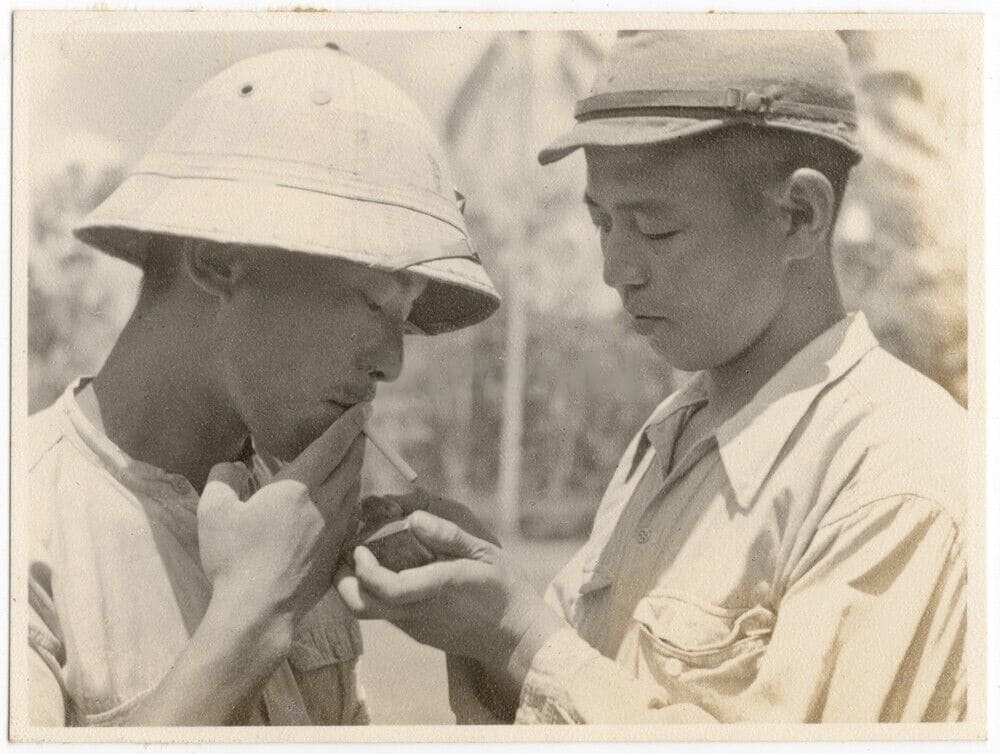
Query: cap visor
(623, 132)
(638, 130)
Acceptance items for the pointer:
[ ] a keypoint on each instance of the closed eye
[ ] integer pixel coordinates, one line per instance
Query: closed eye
(661, 236)
(371, 303)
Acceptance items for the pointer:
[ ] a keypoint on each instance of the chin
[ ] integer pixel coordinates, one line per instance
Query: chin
(288, 441)
(685, 356)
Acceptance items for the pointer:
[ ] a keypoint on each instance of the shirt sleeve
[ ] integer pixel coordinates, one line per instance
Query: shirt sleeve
(571, 682)
(46, 657)
(896, 563)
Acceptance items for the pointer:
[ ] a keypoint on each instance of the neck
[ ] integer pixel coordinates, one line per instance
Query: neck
(807, 313)
(156, 394)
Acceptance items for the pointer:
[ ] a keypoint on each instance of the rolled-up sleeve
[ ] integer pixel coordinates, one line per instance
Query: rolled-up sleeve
(832, 656)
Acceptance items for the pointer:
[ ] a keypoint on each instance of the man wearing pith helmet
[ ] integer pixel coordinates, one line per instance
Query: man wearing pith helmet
(782, 539)
(293, 220)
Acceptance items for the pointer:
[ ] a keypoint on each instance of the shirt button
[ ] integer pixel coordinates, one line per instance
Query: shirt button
(643, 536)
(673, 666)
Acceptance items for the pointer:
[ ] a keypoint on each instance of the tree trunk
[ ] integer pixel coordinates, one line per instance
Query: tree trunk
(512, 429)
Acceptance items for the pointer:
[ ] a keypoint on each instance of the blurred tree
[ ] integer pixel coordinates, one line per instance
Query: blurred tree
(902, 240)
(78, 299)
(494, 129)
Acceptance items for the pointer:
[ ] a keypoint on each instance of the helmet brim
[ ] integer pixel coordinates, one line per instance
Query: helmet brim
(375, 234)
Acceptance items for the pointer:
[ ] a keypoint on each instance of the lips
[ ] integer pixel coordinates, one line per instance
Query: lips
(644, 317)
(643, 323)
(349, 402)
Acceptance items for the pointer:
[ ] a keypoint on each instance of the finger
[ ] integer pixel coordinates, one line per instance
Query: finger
(226, 481)
(338, 493)
(443, 537)
(405, 587)
(231, 473)
(381, 507)
(360, 602)
(314, 464)
(416, 500)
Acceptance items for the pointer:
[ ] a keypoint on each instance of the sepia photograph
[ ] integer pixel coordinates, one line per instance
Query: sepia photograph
(445, 377)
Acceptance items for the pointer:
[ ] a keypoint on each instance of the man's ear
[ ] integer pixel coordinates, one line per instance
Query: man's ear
(808, 204)
(215, 269)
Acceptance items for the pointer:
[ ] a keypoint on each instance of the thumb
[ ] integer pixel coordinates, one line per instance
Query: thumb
(226, 482)
(442, 537)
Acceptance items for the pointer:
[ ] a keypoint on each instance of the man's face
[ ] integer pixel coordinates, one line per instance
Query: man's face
(302, 338)
(700, 276)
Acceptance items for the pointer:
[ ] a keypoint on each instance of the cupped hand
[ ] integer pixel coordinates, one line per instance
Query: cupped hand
(275, 553)
(472, 601)
(381, 508)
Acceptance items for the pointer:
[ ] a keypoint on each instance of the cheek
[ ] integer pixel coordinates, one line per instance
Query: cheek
(277, 363)
(720, 294)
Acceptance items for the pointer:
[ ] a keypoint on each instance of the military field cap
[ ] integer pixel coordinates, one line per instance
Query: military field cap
(308, 151)
(657, 86)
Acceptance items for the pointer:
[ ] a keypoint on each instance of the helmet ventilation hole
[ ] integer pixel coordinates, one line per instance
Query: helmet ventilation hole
(245, 90)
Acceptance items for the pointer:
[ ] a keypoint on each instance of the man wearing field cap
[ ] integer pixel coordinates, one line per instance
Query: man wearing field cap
(293, 220)
(782, 540)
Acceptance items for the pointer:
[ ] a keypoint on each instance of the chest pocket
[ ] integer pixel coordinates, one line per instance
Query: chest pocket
(679, 638)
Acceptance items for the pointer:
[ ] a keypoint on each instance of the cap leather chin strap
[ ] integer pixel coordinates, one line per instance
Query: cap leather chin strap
(694, 102)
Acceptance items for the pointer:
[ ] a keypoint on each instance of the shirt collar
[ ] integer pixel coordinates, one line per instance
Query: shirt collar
(749, 442)
(656, 433)
(135, 475)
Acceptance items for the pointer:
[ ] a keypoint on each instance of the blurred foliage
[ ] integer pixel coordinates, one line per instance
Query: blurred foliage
(902, 239)
(588, 383)
(78, 299)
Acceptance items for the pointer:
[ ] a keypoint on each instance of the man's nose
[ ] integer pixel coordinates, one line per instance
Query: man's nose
(622, 267)
(385, 359)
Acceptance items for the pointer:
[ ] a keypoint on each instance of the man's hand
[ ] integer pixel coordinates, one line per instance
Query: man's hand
(269, 560)
(382, 508)
(470, 602)
(274, 554)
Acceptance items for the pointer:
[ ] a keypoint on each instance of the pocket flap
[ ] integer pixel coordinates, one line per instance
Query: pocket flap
(695, 632)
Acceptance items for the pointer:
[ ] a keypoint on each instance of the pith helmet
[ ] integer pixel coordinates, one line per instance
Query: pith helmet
(309, 151)
(657, 86)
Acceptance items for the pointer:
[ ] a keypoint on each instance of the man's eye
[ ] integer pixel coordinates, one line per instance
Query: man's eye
(371, 303)
(661, 236)
(655, 231)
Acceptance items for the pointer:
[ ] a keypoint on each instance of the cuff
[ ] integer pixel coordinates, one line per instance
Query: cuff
(545, 694)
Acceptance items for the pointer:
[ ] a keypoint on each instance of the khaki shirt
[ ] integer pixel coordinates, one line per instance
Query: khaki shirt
(116, 588)
(804, 564)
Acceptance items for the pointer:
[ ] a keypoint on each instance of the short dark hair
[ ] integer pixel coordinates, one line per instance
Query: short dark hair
(760, 157)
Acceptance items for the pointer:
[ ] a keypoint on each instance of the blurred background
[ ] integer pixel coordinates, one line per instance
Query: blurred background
(523, 417)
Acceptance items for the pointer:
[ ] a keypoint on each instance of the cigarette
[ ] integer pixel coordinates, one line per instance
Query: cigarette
(397, 461)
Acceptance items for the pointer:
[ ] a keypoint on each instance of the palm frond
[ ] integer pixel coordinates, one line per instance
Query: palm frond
(468, 94)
